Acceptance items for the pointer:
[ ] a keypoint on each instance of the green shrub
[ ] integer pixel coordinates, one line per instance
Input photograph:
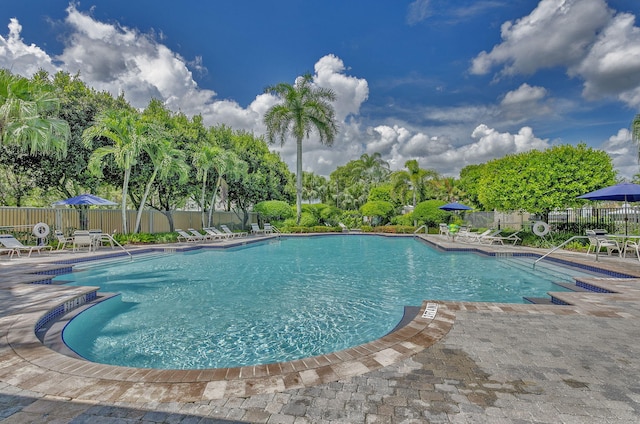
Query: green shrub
(272, 210)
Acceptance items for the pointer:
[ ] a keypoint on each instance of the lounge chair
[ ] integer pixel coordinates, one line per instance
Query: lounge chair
(237, 234)
(10, 252)
(496, 238)
(199, 236)
(270, 229)
(10, 242)
(186, 237)
(471, 237)
(256, 230)
(215, 233)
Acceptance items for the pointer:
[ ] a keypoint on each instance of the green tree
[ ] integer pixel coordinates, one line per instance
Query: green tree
(28, 115)
(129, 135)
(429, 213)
(378, 210)
(539, 181)
(303, 108)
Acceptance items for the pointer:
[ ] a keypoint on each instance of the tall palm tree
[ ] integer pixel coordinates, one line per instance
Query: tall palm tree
(203, 160)
(226, 164)
(167, 161)
(129, 135)
(26, 109)
(373, 167)
(303, 107)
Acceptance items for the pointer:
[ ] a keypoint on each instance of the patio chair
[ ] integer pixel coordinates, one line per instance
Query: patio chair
(62, 239)
(10, 242)
(597, 242)
(631, 245)
(237, 234)
(443, 230)
(80, 239)
(269, 229)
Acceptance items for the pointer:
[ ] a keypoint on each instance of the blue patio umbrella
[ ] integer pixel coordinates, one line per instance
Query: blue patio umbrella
(623, 192)
(85, 199)
(455, 206)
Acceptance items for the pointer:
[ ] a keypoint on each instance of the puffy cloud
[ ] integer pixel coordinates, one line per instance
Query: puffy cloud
(556, 33)
(623, 152)
(583, 36)
(22, 59)
(120, 59)
(612, 66)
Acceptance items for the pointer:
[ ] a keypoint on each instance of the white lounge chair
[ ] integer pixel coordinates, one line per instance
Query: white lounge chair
(199, 236)
(215, 233)
(10, 252)
(473, 237)
(496, 238)
(184, 236)
(236, 234)
(255, 229)
(10, 242)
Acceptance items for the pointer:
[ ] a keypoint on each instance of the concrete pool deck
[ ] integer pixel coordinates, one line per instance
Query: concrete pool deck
(471, 362)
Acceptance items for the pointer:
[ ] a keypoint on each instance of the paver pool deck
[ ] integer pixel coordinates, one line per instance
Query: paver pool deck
(466, 363)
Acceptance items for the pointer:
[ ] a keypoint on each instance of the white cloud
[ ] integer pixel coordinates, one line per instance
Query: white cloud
(20, 58)
(120, 59)
(556, 33)
(612, 66)
(623, 152)
(583, 36)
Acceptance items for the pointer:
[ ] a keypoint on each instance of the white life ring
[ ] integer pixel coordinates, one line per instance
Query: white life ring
(540, 228)
(41, 230)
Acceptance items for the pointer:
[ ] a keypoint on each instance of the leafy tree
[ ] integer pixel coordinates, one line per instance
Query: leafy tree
(274, 210)
(379, 210)
(429, 213)
(539, 181)
(303, 107)
(469, 182)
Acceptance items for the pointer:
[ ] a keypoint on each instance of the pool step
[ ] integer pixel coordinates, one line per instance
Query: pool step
(538, 300)
(572, 286)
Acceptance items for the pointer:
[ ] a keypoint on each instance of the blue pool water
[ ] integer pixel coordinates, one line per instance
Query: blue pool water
(281, 300)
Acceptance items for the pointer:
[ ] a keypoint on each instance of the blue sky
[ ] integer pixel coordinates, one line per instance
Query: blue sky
(447, 83)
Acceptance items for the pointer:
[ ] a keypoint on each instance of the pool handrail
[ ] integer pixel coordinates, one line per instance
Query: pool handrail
(563, 244)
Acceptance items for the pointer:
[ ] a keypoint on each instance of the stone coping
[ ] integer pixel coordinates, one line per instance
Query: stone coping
(26, 363)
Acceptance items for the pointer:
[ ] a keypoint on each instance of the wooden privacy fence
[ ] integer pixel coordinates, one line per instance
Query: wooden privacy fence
(13, 219)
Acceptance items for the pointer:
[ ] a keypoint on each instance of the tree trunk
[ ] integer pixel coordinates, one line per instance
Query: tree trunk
(144, 200)
(169, 215)
(125, 186)
(202, 196)
(299, 180)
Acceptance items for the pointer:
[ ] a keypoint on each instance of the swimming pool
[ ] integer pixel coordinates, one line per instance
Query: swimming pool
(281, 300)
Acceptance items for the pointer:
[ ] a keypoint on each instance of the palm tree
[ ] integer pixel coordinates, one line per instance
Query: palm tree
(167, 161)
(373, 167)
(303, 108)
(129, 135)
(226, 164)
(203, 160)
(25, 116)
